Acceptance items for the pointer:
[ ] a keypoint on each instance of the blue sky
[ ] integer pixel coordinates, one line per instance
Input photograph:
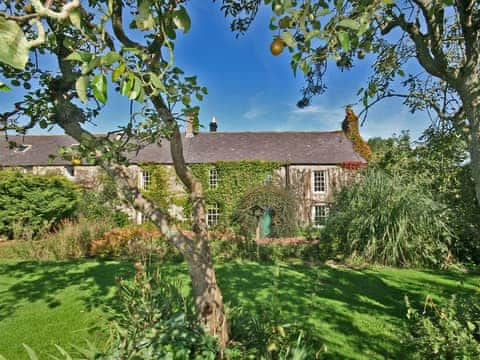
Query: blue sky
(252, 90)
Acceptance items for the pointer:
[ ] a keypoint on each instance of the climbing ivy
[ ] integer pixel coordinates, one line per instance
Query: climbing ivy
(159, 190)
(235, 178)
(278, 199)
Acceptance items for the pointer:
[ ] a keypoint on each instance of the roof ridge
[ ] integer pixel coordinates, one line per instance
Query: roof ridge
(203, 132)
(274, 132)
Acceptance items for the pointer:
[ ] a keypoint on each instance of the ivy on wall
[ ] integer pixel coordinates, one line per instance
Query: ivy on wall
(234, 180)
(157, 191)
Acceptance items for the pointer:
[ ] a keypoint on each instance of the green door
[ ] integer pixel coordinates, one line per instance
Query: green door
(266, 223)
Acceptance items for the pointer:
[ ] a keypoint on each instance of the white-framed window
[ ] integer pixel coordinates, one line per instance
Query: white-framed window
(319, 181)
(213, 215)
(320, 214)
(145, 179)
(213, 178)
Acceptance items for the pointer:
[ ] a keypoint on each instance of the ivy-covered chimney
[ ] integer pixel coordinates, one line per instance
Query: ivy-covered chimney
(351, 128)
(191, 126)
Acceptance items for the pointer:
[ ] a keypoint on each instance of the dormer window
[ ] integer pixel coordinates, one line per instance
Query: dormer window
(23, 148)
(213, 178)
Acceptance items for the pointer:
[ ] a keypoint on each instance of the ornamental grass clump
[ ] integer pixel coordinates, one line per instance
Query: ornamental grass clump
(389, 221)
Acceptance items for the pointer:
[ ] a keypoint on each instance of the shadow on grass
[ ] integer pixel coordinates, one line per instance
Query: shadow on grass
(45, 281)
(356, 313)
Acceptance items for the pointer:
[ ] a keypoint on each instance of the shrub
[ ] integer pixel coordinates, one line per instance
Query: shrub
(37, 201)
(279, 199)
(272, 253)
(389, 221)
(158, 322)
(450, 331)
(70, 240)
(102, 203)
(135, 242)
(264, 334)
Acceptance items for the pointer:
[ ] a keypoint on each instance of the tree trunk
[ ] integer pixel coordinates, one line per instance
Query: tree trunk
(208, 297)
(474, 148)
(471, 103)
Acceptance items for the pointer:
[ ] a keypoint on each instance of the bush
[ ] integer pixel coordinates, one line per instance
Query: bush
(158, 322)
(389, 221)
(100, 204)
(39, 202)
(279, 199)
(272, 253)
(264, 334)
(451, 331)
(71, 239)
(134, 242)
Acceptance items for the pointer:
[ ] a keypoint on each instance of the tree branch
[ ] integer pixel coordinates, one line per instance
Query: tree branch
(117, 25)
(431, 64)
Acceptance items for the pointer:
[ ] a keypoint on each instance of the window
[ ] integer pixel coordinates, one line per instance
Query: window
(70, 170)
(213, 178)
(213, 215)
(22, 148)
(320, 181)
(268, 179)
(146, 179)
(320, 214)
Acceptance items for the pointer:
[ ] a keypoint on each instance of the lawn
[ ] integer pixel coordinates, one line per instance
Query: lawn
(357, 314)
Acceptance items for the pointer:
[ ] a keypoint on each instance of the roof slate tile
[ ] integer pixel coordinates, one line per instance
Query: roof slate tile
(293, 147)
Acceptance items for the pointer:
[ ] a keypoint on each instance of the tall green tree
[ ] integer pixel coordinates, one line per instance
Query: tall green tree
(130, 44)
(426, 52)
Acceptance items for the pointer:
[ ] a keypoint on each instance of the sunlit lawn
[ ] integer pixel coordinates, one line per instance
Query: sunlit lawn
(357, 314)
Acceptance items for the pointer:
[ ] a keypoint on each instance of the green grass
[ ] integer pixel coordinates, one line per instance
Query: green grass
(357, 314)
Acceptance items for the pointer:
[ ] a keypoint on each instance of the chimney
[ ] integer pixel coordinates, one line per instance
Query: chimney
(213, 125)
(189, 127)
(351, 128)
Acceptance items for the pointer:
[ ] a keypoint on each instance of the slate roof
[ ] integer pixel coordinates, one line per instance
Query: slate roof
(294, 147)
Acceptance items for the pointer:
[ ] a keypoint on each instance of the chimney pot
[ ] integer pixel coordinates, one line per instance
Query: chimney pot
(213, 125)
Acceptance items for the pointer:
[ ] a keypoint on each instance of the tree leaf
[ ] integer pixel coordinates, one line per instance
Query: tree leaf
(137, 87)
(127, 84)
(181, 19)
(288, 39)
(75, 16)
(3, 87)
(344, 39)
(81, 56)
(110, 58)
(14, 45)
(99, 87)
(144, 19)
(118, 72)
(156, 82)
(81, 88)
(349, 24)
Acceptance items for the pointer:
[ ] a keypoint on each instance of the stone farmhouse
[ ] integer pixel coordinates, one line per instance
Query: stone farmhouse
(314, 164)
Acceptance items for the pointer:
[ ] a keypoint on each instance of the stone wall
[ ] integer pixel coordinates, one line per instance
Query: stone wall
(298, 177)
